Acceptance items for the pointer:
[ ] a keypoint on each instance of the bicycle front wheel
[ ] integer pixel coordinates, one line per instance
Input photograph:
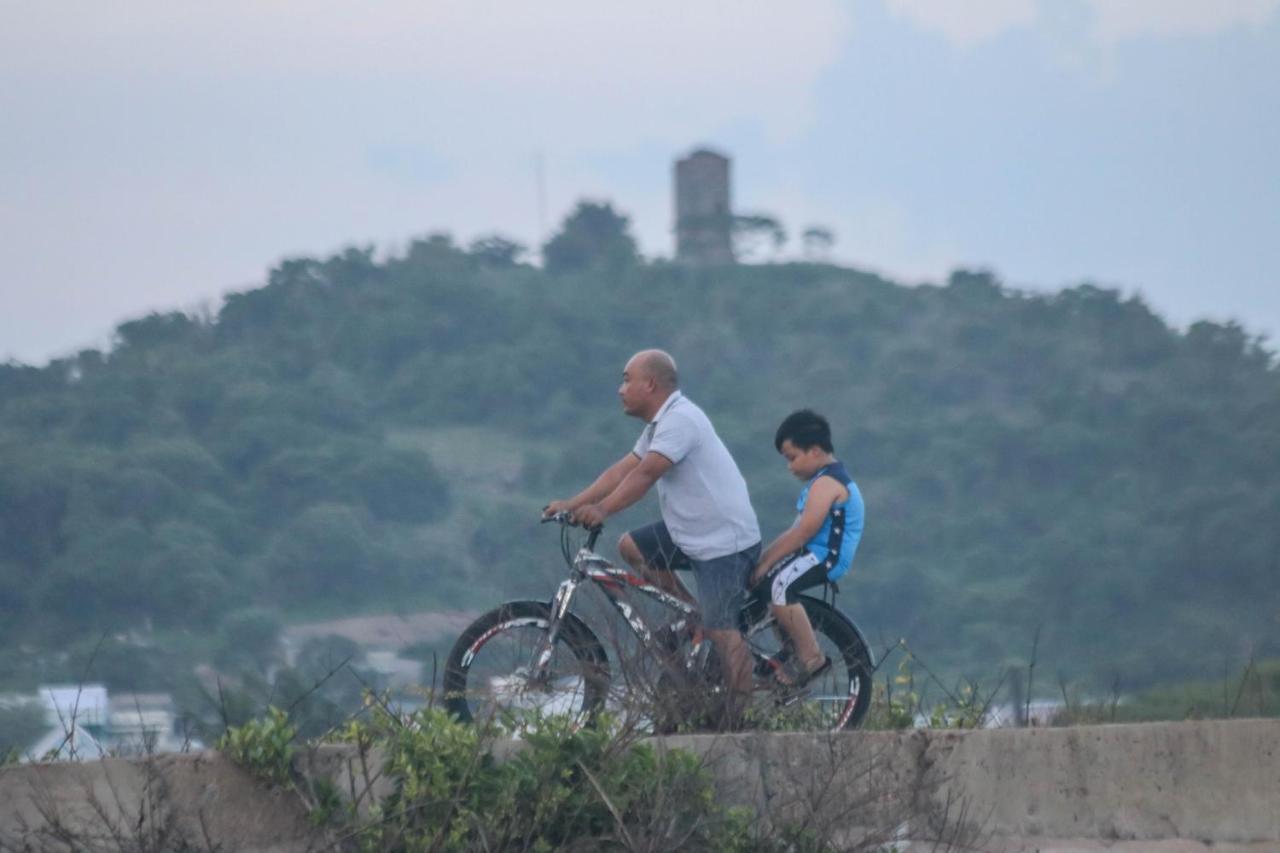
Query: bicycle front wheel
(837, 699)
(496, 667)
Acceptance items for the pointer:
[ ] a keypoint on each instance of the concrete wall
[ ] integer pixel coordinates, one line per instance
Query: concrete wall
(1158, 788)
(1202, 782)
(199, 801)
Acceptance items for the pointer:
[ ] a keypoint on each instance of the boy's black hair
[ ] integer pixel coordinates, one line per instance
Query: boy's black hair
(805, 428)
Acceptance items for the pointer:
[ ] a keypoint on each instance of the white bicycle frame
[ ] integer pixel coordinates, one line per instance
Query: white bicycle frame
(590, 566)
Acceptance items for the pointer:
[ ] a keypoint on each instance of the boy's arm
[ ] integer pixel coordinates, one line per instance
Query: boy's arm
(603, 485)
(822, 494)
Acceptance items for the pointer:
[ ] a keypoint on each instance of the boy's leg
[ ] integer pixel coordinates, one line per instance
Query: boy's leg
(795, 624)
(792, 574)
(650, 551)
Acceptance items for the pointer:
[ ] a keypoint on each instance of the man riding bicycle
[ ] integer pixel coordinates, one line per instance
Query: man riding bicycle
(708, 524)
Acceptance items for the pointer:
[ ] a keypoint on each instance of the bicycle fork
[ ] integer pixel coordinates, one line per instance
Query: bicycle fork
(559, 607)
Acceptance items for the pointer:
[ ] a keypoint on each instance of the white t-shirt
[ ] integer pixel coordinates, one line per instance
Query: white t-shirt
(703, 497)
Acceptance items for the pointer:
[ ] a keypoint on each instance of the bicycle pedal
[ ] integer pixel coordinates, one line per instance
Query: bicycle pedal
(791, 698)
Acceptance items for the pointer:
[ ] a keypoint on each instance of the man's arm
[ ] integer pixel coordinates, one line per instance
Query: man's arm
(822, 494)
(630, 489)
(604, 484)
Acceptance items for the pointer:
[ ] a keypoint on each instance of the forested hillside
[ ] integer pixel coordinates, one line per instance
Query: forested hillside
(360, 433)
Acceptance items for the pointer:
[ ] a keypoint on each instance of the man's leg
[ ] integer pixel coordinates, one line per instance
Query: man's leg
(722, 585)
(663, 578)
(732, 648)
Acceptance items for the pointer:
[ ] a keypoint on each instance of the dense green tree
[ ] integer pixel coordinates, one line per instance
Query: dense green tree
(495, 250)
(592, 235)
(817, 241)
(20, 726)
(325, 551)
(753, 232)
(399, 485)
(249, 638)
(381, 433)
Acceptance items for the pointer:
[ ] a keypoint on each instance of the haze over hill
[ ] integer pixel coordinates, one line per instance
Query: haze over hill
(160, 158)
(358, 434)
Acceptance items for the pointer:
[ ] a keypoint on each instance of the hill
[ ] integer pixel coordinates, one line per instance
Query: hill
(363, 433)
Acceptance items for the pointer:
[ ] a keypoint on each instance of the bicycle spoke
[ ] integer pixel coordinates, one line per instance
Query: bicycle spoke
(828, 702)
(506, 665)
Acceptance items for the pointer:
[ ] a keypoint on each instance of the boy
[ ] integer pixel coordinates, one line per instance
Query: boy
(819, 545)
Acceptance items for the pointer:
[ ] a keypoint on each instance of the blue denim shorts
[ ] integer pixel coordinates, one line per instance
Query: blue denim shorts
(722, 581)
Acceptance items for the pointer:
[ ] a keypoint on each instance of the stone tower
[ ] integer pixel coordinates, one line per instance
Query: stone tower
(704, 214)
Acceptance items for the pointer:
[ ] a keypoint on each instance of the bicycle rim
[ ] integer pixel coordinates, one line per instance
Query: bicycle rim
(837, 699)
(493, 669)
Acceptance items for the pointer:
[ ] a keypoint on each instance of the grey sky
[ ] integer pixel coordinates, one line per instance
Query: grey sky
(159, 157)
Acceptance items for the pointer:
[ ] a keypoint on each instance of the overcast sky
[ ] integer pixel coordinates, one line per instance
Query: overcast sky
(156, 154)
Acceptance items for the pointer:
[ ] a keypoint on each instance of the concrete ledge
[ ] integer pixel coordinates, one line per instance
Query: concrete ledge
(1154, 788)
(197, 801)
(1214, 781)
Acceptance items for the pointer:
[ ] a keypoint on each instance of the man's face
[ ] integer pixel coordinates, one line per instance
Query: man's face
(636, 389)
(802, 464)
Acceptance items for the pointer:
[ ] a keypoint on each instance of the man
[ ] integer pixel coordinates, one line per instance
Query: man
(707, 524)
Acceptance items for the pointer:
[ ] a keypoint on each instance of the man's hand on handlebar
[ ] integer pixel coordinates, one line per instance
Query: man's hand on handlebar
(589, 516)
(554, 508)
(593, 519)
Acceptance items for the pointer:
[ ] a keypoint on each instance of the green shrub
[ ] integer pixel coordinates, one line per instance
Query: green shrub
(263, 747)
(566, 787)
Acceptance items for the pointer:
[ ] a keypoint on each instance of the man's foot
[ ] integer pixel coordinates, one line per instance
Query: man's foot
(668, 638)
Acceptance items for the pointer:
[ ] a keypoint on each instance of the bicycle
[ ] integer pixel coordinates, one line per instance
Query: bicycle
(537, 655)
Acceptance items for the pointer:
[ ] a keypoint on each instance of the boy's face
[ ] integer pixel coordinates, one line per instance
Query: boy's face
(802, 464)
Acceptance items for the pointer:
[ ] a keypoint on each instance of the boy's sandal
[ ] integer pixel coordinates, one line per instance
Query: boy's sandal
(789, 673)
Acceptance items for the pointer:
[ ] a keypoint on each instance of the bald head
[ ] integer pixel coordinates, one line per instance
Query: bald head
(658, 366)
(647, 381)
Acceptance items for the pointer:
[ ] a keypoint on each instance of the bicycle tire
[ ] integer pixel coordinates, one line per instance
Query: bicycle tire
(476, 687)
(843, 696)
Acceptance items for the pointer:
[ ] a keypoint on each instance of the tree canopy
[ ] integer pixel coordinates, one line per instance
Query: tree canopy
(594, 235)
(364, 433)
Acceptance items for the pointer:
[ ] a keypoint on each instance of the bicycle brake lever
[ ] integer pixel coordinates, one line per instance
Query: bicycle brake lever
(562, 517)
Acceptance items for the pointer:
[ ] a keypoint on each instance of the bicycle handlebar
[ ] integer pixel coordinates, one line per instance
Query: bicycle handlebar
(566, 519)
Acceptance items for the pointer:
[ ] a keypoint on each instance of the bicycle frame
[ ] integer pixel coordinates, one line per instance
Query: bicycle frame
(588, 566)
(687, 659)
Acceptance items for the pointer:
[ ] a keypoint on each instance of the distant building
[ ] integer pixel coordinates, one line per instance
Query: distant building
(1037, 712)
(704, 210)
(85, 704)
(393, 671)
(84, 723)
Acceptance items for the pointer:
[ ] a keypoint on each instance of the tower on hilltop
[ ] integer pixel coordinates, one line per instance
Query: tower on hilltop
(704, 213)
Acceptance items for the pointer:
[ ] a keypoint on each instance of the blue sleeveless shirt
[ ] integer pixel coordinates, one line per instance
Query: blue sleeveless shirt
(837, 540)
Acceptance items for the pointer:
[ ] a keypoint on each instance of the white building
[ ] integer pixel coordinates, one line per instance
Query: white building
(85, 724)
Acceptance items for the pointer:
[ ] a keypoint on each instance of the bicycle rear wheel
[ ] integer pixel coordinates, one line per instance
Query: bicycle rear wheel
(837, 699)
(492, 667)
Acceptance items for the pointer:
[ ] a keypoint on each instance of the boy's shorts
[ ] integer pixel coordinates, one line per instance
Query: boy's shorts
(794, 573)
(722, 581)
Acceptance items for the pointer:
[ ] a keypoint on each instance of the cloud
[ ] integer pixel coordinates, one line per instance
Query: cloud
(967, 24)
(1121, 20)
(664, 69)
(1114, 21)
